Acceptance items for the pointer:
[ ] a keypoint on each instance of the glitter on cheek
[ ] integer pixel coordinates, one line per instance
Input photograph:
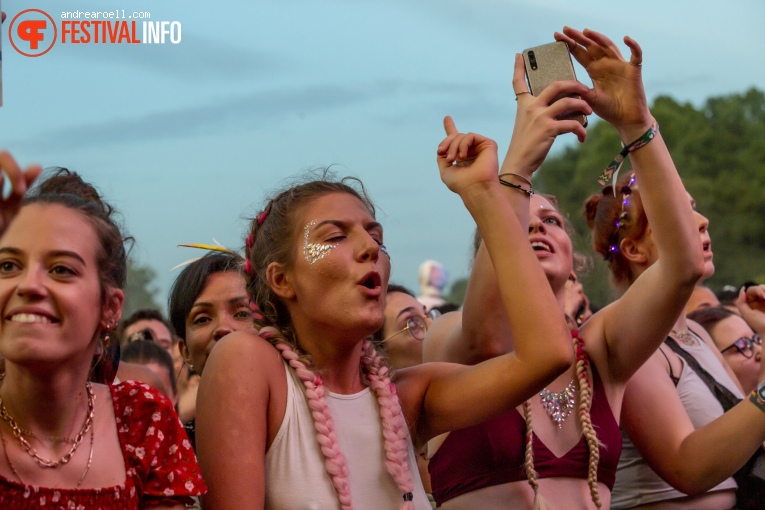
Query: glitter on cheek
(313, 252)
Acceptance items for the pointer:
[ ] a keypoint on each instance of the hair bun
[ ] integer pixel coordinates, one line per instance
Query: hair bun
(63, 181)
(591, 209)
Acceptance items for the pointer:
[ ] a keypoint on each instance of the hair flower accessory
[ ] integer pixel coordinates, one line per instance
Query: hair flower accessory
(209, 247)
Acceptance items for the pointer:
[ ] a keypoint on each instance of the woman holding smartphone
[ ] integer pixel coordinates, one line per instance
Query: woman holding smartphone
(570, 430)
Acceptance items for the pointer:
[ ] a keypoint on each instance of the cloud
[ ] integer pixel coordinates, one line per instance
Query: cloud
(264, 109)
(196, 58)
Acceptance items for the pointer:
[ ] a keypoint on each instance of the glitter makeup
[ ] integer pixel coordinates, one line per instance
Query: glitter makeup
(313, 252)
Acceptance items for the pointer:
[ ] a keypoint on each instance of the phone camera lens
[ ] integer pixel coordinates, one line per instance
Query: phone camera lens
(532, 61)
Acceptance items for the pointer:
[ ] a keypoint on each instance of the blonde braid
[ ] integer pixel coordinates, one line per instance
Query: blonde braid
(593, 445)
(393, 424)
(585, 403)
(528, 461)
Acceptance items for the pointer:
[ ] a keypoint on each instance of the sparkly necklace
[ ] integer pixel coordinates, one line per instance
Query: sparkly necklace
(686, 337)
(42, 461)
(559, 405)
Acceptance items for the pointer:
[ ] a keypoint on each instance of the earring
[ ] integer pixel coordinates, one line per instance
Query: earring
(191, 366)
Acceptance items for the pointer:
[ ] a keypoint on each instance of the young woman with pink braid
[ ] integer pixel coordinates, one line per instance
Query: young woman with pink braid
(307, 414)
(570, 430)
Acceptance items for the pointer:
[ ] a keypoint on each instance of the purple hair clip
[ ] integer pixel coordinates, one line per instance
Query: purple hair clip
(621, 220)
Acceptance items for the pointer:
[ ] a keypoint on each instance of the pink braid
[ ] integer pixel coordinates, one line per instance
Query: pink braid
(334, 462)
(393, 425)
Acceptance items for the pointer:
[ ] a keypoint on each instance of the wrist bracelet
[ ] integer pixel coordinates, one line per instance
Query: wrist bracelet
(754, 397)
(612, 170)
(529, 192)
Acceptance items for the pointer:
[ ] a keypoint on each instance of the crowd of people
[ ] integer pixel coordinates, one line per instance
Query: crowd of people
(295, 376)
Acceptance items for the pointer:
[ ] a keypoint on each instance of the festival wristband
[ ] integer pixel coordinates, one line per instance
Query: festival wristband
(612, 170)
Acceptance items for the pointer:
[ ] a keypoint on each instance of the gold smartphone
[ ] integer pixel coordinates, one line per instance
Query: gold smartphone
(549, 63)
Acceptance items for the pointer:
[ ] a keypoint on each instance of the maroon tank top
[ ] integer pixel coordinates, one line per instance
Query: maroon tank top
(492, 453)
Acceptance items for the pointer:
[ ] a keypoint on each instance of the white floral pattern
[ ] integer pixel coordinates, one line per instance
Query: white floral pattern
(158, 470)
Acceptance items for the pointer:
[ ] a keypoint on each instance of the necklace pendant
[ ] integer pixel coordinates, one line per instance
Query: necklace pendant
(686, 337)
(559, 405)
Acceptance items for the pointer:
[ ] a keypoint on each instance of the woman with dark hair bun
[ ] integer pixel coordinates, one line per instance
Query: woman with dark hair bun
(70, 438)
(688, 427)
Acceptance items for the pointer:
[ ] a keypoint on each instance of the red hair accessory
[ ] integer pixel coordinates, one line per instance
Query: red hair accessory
(262, 216)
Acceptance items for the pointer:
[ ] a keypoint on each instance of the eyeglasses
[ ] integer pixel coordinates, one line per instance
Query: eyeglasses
(745, 345)
(416, 326)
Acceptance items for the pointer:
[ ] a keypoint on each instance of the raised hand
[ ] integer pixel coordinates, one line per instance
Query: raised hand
(617, 95)
(536, 122)
(466, 160)
(21, 180)
(751, 306)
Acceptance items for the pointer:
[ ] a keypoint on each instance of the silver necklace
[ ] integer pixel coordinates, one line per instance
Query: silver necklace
(686, 337)
(559, 405)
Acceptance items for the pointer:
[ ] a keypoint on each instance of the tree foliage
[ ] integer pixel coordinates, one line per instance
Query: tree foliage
(456, 294)
(141, 291)
(719, 152)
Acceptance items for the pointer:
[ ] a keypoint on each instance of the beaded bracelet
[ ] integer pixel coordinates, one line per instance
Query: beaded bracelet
(755, 398)
(612, 170)
(529, 192)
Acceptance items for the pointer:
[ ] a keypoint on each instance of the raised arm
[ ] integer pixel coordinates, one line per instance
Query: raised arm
(635, 325)
(21, 181)
(691, 460)
(751, 306)
(485, 330)
(456, 396)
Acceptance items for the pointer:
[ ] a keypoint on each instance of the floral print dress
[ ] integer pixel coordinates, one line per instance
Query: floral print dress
(159, 462)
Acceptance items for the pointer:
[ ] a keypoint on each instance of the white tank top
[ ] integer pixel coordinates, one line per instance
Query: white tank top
(295, 475)
(636, 483)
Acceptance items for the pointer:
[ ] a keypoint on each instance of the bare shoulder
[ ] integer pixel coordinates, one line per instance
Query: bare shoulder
(244, 382)
(701, 332)
(656, 370)
(443, 336)
(242, 350)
